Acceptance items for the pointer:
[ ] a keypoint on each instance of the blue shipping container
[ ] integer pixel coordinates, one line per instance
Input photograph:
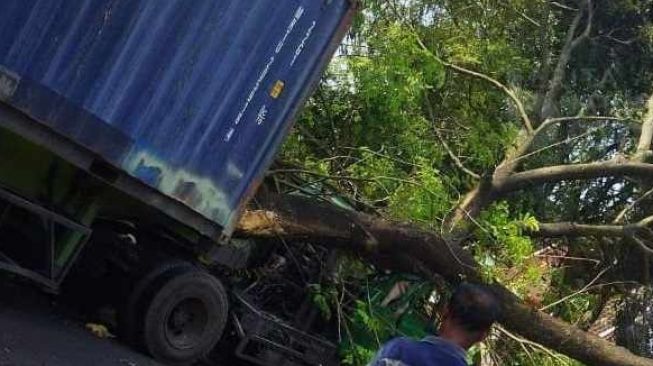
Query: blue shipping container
(190, 97)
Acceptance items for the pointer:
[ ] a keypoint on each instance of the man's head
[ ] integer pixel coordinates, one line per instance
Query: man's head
(470, 314)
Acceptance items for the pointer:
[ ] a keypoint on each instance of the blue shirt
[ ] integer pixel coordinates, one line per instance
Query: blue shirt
(430, 351)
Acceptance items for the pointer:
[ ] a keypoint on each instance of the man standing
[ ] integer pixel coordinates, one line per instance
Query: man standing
(466, 321)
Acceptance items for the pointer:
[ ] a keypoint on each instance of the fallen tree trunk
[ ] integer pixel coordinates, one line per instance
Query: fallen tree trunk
(407, 248)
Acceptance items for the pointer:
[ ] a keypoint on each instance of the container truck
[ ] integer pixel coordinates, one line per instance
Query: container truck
(132, 135)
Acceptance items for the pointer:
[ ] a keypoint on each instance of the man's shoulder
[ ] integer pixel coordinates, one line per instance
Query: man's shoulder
(427, 352)
(452, 353)
(388, 362)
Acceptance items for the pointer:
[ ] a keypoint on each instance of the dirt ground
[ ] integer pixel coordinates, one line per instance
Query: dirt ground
(36, 331)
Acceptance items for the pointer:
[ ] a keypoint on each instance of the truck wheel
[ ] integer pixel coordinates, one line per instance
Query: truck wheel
(185, 318)
(130, 314)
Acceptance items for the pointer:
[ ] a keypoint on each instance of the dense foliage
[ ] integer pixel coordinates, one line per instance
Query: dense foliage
(418, 108)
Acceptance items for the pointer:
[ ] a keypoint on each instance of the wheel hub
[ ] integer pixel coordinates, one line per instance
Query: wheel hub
(186, 323)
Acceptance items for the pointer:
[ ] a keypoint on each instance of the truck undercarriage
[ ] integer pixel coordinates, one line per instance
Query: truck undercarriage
(120, 264)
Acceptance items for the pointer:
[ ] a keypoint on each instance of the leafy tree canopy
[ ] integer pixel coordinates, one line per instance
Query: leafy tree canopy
(433, 110)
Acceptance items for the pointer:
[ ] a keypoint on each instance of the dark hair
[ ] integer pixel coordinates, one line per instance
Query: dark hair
(474, 307)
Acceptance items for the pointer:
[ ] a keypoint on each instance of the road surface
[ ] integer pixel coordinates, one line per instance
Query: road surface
(36, 332)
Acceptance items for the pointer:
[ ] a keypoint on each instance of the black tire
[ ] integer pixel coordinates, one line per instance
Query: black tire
(185, 318)
(130, 314)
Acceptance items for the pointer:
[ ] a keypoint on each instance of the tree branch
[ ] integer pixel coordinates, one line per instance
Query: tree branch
(588, 26)
(516, 101)
(444, 143)
(476, 199)
(549, 108)
(511, 94)
(454, 157)
(523, 151)
(562, 6)
(572, 229)
(558, 173)
(584, 289)
(619, 218)
(645, 137)
(647, 249)
(550, 146)
(406, 248)
(551, 121)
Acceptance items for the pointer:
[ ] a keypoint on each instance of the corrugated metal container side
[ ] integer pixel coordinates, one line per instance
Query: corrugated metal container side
(191, 97)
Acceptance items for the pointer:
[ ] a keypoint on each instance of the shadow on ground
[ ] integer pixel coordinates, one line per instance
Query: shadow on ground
(34, 331)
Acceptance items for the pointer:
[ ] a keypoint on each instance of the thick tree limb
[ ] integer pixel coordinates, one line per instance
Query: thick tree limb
(646, 135)
(572, 229)
(588, 26)
(549, 105)
(475, 200)
(560, 173)
(407, 248)
(483, 194)
(558, 120)
(505, 180)
(469, 208)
